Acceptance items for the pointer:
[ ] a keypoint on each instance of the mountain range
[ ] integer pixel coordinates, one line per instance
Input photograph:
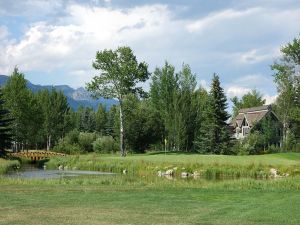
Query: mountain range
(76, 97)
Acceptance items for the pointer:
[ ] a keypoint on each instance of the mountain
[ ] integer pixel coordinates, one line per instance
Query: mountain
(76, 97)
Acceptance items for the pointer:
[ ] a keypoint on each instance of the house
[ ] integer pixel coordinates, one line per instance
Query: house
(252, 118)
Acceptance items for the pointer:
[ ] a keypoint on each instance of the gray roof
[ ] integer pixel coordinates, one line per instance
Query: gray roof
(252, 115)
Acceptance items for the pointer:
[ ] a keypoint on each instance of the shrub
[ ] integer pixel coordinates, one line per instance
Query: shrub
(72, 137)
(65, 147)
(105, 144)
(85, 141)
(253, 144)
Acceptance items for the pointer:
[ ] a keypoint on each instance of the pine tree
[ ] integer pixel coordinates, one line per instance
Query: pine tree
(219, 116)
(5, 130)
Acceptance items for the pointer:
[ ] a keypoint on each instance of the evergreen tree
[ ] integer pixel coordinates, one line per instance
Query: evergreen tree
(17, 101)
(219, 116)
(5, 123)
(100, 119)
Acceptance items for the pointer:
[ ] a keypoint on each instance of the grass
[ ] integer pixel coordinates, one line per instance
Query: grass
(140, 198)
(8, 165)
(209, 166)
(127, 200)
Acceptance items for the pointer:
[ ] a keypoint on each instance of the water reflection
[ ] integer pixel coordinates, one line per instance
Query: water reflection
(32, 172)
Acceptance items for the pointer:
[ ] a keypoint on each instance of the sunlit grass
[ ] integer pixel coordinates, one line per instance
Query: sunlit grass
(210, 166)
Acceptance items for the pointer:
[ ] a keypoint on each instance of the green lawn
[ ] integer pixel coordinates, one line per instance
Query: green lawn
(146, 199)
(96, 201)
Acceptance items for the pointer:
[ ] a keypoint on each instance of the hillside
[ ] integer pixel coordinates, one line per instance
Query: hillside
(76, 97)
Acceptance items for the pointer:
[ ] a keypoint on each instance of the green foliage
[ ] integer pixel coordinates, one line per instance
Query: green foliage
(288, 86)
(5, 126)
(105, 144)
(17, 101)
(100, 119)
(213, 135)
(163, 90)
(251, 99)
(64, 146)
(55, 111)
(143, 124)
(85, 141)
(120, 72)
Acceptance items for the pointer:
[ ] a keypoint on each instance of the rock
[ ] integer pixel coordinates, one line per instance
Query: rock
(184, 174)
(44, 167)
(124, 171)
(61, 167)
(274, 173)
(160, 174)
(169, 172)
(196, 174)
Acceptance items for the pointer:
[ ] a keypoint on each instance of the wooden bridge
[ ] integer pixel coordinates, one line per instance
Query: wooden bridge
(36, 155)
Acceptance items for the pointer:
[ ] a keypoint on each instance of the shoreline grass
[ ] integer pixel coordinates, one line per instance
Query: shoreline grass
(8, 165)
(209, 166)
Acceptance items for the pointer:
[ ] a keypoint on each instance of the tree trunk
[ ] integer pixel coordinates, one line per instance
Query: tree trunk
(122, 144)
(48, 143)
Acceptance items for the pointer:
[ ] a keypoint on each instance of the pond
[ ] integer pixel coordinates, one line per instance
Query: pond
(32, 172)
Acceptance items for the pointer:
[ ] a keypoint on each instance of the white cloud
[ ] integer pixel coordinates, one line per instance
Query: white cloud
(233, 91)
(231, 41)
(270, 99)
(219, 17)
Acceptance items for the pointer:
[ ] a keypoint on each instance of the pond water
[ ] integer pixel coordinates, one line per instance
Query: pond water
(32, 172)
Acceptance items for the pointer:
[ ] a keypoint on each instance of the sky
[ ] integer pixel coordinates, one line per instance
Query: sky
(55, 41)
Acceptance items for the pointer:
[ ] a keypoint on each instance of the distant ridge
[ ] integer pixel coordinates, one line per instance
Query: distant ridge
(76, 97)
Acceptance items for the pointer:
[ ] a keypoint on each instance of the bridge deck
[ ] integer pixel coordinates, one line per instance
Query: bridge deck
(37, 155)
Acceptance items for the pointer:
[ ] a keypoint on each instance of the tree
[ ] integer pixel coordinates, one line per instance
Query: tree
(100, 119)
(186, 111)
(217, 117)
(251, 99)
(17, 101)
(5, 122)
(163, 92)
(202, 121)
(287, 79)
(55, 110)
(120, 73)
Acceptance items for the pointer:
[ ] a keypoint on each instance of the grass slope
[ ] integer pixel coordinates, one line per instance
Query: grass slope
(103, 201)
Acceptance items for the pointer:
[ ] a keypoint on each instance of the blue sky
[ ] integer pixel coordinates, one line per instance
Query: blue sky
(55, 41)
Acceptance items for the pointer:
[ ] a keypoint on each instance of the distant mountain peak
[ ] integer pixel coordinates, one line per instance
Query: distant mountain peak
(76, 97)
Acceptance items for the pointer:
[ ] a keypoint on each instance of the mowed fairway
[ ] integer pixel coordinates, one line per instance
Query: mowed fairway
(125, 199)
(75, 204)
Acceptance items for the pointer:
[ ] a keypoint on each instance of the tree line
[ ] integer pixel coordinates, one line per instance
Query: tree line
(175, 114)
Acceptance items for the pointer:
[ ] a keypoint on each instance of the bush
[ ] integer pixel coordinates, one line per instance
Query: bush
(72, 137)
(65, 147)
(253, 144)
(85, 141)
(105, 144)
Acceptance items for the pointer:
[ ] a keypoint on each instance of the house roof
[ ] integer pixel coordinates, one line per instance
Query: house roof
(252, 115)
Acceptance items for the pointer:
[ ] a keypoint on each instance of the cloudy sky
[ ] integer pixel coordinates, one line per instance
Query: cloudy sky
(55, 41)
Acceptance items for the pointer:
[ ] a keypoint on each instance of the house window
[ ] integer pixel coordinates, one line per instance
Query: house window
(245, 130)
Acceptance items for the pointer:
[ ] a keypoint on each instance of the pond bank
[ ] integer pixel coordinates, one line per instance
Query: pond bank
(206, 166)
(8, 165)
